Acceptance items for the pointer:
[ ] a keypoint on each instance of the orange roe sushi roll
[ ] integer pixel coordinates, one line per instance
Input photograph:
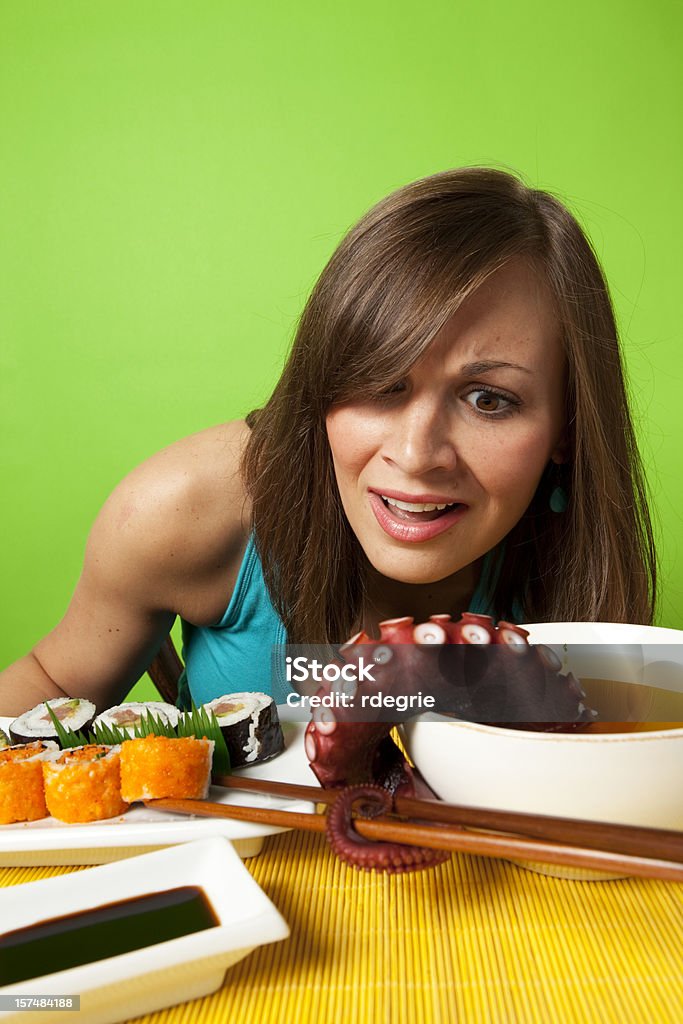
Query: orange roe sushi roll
(21, 781)
(157, 766)
(84, 784)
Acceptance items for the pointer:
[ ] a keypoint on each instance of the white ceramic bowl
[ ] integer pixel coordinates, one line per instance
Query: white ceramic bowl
(148, 979)
(630, 777)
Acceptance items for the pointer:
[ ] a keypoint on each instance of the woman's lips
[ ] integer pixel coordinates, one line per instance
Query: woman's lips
(407, 527)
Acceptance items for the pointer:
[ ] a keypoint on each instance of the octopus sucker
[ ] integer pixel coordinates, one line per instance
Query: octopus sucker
(359, 852)
(550, 659)
(430, 633)
(310, 746)
(324, 720)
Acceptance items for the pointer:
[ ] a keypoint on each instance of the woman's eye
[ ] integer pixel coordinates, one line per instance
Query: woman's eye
(491, 402)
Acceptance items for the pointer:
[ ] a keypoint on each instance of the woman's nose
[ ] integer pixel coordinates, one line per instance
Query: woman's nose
(420, 440)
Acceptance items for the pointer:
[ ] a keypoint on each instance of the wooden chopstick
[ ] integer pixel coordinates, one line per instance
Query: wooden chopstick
(441, 837)
(634, 841)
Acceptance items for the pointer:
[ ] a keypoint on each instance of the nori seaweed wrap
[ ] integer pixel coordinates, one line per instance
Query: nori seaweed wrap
(250, 726)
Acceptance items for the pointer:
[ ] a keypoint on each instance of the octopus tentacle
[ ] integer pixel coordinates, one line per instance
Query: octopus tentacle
(354, 849)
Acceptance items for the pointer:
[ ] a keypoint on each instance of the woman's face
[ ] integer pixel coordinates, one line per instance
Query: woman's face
(471, 427)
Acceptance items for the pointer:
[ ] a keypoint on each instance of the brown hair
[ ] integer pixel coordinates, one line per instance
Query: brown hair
(391, 284)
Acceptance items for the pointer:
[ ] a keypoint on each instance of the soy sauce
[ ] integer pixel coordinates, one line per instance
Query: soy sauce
(59, 943)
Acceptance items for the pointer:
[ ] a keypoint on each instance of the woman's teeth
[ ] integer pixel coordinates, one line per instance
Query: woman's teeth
(416, 506)
(417, 511)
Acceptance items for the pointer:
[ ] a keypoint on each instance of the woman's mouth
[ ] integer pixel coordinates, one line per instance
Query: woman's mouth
(414, 521)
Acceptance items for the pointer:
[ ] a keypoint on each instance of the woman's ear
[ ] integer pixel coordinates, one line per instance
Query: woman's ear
(560, 454)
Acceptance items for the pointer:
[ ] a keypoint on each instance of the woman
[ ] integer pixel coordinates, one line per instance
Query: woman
(451, 431)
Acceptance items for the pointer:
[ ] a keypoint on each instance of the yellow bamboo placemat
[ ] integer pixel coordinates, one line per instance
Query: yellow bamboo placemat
(474, 940)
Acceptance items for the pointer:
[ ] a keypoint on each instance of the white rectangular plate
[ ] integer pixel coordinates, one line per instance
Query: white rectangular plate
(140, 829)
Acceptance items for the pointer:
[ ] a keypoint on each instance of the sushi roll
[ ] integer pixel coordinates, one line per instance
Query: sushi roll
(250, 726)
(126, 716)
(158, 766)
(84, 784)
(4, 740)
(21, 781)
(36, 724)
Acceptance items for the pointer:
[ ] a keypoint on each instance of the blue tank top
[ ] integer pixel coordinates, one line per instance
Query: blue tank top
(234, 654)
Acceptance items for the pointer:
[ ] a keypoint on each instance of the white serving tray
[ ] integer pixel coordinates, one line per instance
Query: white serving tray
(140, 830)
(121, 987)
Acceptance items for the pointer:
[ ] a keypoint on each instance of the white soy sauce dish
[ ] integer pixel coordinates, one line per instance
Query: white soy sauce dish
(158, 975)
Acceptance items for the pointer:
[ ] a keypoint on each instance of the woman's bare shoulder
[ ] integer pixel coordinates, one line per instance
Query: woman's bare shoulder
(181, 520)
(199, 471)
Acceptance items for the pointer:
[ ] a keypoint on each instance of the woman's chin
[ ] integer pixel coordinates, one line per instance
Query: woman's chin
(411, 572)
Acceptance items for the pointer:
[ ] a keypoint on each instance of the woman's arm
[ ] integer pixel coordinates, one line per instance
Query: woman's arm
(168, 541)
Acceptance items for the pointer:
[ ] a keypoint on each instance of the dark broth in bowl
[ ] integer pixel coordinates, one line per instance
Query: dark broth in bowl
(631, 707)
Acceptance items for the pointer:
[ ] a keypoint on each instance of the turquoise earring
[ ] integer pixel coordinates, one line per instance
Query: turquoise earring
(558, 500)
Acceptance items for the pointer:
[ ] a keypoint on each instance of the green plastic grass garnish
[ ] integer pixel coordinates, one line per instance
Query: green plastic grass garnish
(111, 734)
(67, 737)
(200, 722)
(197, 722)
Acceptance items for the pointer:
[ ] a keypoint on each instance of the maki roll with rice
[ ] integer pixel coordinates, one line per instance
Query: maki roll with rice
(126, 716)
(21, 781)
(250, 726)
(84, 784)
(158, 766)
(73, 712)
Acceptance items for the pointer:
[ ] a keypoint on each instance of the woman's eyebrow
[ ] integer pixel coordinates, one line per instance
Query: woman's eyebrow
(485, 365)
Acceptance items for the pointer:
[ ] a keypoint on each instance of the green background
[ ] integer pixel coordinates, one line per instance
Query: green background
(173, 178)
